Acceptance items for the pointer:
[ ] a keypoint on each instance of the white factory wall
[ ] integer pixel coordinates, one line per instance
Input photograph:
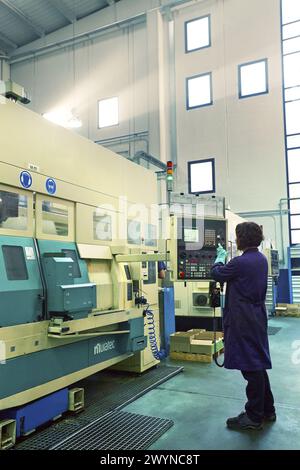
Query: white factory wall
(246, 137)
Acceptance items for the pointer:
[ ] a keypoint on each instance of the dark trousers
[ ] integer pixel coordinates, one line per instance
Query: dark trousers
(260, 398)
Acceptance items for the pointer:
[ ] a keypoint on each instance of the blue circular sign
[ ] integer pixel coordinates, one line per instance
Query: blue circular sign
(51, 186)
(25, 179)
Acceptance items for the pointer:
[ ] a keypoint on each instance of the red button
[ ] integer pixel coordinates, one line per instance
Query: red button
(181, 275)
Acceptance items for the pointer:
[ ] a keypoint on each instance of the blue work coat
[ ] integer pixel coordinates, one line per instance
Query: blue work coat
(245, 316)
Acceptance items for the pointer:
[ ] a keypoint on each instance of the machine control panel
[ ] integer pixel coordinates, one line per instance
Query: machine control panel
(196, 246)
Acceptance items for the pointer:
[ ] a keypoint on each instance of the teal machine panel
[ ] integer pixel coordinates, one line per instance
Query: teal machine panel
(21, 291)
(69, 292)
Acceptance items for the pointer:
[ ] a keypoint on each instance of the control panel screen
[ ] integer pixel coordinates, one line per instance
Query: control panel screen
(191, 235)
(196, 246)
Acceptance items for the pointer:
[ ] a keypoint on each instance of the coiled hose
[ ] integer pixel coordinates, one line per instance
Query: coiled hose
(157, 354)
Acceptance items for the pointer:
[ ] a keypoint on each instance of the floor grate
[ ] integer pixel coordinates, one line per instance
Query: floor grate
(116, 431)
(105, 392)
(273, 330)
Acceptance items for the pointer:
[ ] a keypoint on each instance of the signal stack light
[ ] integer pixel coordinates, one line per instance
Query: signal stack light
(170, 176)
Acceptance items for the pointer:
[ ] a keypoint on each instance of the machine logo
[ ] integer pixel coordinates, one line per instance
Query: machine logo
(25, 179)
(51, 186)
(103, 347)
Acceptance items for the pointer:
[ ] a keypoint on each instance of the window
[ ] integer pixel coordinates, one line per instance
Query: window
(108, 112)
(55, 219)
(290, 11)
(134, 232)
(253, 78)
(102, 226)
(197, 34)
(201, 174)
(15, 263)
(199, 91)
(13, 211)
(151, 235)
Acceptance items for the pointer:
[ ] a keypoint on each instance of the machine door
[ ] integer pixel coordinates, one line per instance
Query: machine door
(21, 293)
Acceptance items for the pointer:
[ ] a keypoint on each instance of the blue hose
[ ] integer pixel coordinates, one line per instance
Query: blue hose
(157, 354)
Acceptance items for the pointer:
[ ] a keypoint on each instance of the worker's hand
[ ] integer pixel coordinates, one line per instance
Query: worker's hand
(221, 254)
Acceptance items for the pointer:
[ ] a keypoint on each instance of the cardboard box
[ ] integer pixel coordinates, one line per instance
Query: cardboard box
(206, 346)
(183, 341)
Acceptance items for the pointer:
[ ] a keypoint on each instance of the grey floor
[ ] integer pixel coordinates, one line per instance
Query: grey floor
(201, 398)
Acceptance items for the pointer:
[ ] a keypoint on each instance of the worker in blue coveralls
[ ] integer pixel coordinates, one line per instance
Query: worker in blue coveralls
(246, 324)
(161, 268)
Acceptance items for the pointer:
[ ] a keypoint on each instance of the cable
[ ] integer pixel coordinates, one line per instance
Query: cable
(215, 341)
(157, 354)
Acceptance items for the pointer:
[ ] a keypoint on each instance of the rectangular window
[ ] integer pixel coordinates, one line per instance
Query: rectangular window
(291, 70)
(108, 112)
(15, 264)
(253, 78)
(292, 113)
(291, 30)
(295, 237)
(134, 232)
(73, 255)
(294, 190)
(55, 219)
(291, 45)
(201, 174)
(13, 211)
(293, 141)
(199, 91)
(150, 235)
(102, 226)
(292, 94)
(294, 165)
(197, 34)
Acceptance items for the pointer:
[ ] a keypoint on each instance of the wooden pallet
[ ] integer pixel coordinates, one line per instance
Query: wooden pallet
(192, 357)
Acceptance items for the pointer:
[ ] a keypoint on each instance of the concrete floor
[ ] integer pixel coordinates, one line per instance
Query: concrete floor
(200, 399)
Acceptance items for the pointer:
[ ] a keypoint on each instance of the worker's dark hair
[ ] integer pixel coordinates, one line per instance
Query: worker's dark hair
(248, 234)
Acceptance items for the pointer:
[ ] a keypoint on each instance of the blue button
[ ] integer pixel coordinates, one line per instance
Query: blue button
(51, 186)
(25, 179)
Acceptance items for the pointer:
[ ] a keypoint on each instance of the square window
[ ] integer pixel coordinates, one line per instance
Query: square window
(294, 165)
(199, 91)
(108, 112)
(201, 175)
(197, 34)
(253, 78)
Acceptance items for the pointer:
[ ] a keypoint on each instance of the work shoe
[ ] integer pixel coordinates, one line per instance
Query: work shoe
(242, 422)
(270, 418)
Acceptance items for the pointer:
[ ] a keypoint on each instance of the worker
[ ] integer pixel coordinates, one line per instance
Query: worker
(161, 267)
(246, 324)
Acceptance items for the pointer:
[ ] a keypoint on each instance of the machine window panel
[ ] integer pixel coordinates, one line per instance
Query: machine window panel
(201, 174)
(55, 219)
(199, 91)
(292, 112)
(151, 273)
(253, 78)
(151, 235)
(13, 211)
(197, 34)
(76, 269)
(102, 226)
(15, 264)
(133, 232)
(108, 112)
(290, 11)
(294, 165)
(291, 70)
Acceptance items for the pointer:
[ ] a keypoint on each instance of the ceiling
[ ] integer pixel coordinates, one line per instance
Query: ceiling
(23, 21)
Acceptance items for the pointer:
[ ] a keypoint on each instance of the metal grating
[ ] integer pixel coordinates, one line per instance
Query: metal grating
(118, 430)
(273, 330)
(105, 392)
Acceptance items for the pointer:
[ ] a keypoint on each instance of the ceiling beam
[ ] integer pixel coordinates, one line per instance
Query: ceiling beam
(7, 41)
(65, 11)
(21, 16)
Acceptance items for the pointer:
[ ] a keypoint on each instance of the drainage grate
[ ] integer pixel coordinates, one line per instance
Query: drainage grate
(273, 330)
(105, 392)
(118, 430)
